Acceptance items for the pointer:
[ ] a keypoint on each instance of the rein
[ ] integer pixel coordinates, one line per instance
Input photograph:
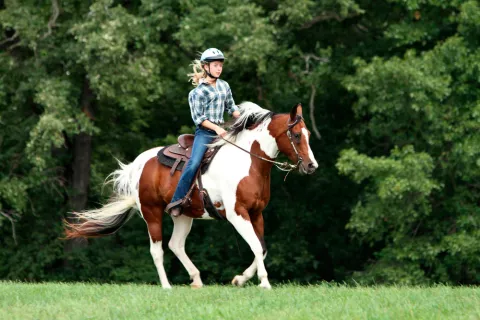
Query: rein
(283, 166)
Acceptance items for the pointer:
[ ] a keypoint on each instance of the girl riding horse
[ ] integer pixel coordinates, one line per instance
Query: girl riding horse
(208, 102)
(237, 179)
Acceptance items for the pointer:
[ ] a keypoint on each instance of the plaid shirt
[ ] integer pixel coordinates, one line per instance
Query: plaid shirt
(209, 103)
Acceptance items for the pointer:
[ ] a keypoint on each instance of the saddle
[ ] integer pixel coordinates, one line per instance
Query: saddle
(177, 156)
(180, 154)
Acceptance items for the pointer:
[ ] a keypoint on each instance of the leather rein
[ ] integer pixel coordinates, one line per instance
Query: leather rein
(283, 166)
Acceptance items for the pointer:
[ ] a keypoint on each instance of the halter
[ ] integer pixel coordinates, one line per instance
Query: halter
(283, 166)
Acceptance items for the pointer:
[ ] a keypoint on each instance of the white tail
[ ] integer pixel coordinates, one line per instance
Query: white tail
(114, 214)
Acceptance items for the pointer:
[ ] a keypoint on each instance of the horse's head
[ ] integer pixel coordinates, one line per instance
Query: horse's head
(292, 137)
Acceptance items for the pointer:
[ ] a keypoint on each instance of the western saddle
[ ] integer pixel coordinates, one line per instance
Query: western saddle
(177, 156)
(180, 154)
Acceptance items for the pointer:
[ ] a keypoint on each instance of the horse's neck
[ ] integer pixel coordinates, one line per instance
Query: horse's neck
(260, 134)
(259, 137)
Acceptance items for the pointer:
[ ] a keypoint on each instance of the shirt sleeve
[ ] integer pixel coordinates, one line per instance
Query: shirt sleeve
(197, 107)
(229, 103)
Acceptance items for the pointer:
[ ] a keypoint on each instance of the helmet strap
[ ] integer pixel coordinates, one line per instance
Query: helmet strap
(208, 72)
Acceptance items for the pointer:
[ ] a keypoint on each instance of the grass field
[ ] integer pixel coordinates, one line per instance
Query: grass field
(95, 301)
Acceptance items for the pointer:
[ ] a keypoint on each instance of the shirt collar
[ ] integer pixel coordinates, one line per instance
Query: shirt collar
(204, 81)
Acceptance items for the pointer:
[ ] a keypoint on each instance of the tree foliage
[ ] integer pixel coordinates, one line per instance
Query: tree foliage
(391, 87)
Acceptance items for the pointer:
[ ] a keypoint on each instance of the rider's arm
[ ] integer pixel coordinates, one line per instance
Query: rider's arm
(197, 107)
(210, 125)
(230, 104)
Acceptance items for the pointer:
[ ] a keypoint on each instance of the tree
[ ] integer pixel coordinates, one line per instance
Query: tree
(389, 93)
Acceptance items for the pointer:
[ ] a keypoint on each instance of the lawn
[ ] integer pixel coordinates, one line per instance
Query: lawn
(134, 301)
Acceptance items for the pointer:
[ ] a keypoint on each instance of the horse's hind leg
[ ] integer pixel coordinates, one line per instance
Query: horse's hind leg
(257, 223)
(153, 217)
(181, 228)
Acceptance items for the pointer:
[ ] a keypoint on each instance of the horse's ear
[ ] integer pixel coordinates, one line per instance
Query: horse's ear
(296, 111)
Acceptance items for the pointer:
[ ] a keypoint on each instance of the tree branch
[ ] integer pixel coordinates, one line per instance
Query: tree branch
(324, 16)
(13, 46)
(53, 18)
(309, 56)
(12, 221)
(15, 36)
(312, 113)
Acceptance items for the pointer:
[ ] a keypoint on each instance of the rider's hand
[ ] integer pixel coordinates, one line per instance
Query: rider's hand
(220, 131)
(236, 114)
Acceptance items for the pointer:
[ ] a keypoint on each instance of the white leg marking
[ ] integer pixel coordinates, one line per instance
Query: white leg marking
(181, 229)
(157, 255)
(248, 274)
(245, 229)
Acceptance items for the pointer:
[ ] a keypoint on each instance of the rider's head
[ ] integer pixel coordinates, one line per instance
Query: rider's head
(210, 65)
(212, 62)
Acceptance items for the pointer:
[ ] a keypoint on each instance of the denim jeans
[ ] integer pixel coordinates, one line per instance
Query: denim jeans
(202, 137)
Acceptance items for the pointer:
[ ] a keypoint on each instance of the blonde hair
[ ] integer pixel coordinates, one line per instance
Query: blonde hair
(198, 72)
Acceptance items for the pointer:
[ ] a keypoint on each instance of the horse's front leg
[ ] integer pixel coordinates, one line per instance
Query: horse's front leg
(240, 219)
(257, 223)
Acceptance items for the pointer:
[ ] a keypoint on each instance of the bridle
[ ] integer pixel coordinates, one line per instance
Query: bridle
(283, 166)
(298, 119)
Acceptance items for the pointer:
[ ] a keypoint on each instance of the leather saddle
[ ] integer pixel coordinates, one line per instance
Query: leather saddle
(177, 156)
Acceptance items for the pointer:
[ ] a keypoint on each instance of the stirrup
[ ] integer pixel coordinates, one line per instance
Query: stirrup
(173, 205)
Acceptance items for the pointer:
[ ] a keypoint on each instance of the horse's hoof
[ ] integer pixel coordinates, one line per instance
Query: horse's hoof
(238, 281)
(169, 287)
(196, 286)
(264, 284)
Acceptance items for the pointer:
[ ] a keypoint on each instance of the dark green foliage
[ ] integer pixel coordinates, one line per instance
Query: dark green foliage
(395, 89)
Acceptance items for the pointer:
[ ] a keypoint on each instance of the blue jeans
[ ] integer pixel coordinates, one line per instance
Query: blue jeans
(202, 137)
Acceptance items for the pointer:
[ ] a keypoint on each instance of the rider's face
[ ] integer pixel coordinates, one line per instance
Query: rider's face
(216, 68)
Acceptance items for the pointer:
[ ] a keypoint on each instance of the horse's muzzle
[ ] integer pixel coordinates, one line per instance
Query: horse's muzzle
(307, 168)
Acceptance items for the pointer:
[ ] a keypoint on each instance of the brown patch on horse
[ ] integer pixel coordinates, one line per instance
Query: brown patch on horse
(256, 218)
(253, 191)
(157, 186)
(222, 212)
(218, 205)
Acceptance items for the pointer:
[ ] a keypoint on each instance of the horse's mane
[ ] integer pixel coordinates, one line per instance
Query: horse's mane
(251, 115)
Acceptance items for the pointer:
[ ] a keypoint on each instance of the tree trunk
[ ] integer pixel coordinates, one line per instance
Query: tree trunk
(80, 167)
(82, 150)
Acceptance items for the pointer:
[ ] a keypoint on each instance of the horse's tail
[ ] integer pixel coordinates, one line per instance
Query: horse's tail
(116, 212)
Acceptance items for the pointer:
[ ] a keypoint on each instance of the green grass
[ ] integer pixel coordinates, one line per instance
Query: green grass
(95, 301)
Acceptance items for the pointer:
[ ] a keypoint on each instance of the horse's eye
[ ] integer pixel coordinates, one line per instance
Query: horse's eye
(297, 136)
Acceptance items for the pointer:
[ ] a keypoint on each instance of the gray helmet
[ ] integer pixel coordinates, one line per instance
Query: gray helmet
(212, 54)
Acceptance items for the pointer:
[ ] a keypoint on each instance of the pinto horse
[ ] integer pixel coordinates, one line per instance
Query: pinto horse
(237, 180)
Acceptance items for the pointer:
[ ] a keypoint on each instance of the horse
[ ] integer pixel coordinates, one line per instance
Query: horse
(237, 180)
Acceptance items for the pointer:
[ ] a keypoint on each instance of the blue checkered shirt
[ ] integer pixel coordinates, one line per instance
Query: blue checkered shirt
(209, 103)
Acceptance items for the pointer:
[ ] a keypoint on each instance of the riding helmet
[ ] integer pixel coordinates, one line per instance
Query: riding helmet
(212, 54)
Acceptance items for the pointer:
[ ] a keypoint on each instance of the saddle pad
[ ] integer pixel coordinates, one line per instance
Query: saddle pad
(169, 161)
(163, 159)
